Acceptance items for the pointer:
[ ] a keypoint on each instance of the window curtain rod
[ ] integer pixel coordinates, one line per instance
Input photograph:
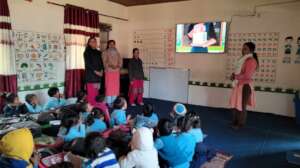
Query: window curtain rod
(100, 14)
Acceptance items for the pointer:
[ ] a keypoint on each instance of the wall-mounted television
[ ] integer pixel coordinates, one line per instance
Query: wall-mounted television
(203, 37)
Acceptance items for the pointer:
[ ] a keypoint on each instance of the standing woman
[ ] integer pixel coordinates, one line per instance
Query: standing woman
(136, 77)
(243, 90)
(93, 69)
(112, 63)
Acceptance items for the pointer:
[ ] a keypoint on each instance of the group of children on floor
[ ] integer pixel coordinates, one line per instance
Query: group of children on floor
(167, 142)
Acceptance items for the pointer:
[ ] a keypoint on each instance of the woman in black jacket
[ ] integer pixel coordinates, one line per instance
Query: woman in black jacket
(93, 69)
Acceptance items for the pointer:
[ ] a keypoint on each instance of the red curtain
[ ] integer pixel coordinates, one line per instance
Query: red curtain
(8, 77)
(79, 25)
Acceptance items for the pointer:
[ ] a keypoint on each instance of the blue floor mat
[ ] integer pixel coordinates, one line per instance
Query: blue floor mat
(263, 143)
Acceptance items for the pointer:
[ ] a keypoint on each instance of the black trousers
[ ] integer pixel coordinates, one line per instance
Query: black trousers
(240, 117)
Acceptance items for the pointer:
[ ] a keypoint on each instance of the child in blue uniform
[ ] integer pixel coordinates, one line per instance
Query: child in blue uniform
(56, 99)
(168, 147)
(95, 121)
(14, 106)
(118, 116)
(71, 126)
(85, 110)
(32, 104)
(149, 119)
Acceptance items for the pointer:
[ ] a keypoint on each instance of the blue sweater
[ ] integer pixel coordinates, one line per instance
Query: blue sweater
(77, 131)
(54, 103)
(168, 149)
(97, 126)
(34, 109)
(197, 134)
(149, 122)
(186, 144)
(118, 117)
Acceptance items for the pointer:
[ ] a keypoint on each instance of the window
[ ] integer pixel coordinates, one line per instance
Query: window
(104, 35)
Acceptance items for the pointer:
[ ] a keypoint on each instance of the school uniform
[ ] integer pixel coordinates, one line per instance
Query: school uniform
(34, 108)
(149, 122)
(186, 144)
(10, 110)
(77, 131)
(197, 134)
(118, 117)
(97, 126)
(104, 108)
(54, 103)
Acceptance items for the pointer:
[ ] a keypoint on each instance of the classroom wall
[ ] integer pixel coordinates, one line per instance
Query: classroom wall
(38, 16)
(211, 67)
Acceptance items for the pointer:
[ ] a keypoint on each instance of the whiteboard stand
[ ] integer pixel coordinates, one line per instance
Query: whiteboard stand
(169, 84)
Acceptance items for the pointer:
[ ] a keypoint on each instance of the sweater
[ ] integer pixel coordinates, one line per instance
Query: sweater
(106, 159)
(135, 69)
(97, 126)
(248, 70)
(118, 117)
(54, 103)
(111, 57)
(93, 62)
(34, 109)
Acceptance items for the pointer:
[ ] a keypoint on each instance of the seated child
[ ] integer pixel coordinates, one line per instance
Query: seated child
(56, 99)
(101, 104)
(179, 110)
(16, 148)
(71, 127)
(98, 154)
(32, 104)
(149, 119)
(85, 110)
(81, 97)
(196, 130)
(167, 145)
(13, 105)
(118, 116)
(143, 154)
(186, 141)
(95, 121)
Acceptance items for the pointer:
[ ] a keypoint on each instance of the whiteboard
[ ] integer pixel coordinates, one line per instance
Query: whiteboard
(169, 84)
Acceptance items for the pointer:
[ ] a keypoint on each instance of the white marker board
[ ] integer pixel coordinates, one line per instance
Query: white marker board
(169, 84)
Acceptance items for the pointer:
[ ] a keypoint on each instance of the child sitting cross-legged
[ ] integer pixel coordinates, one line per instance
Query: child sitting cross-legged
(148, 119)
(118, 116)
(32, 104)
(99, 156)
(95, 121)
(101, 104)
(56, 99)
(71, 126)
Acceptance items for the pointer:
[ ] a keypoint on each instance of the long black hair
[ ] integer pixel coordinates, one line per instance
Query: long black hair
(252, 48)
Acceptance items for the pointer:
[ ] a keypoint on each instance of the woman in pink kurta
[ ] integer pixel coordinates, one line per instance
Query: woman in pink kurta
(112, 64)
(243, 90)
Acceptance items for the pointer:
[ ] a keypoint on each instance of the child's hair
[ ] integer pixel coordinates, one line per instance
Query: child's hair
(96, 113)
(252, 48)
(289, 38)
(9, 97)
(110, 41)
(83, 106)
(148, 110)
(29, 98)
(184, 123)
(196, 122)
(165, 127)
(94, 144)
(134, 50)
(52, 91)
(119, 103)
(69, 118)
(80, 96)
(100, 98)
(63, 165)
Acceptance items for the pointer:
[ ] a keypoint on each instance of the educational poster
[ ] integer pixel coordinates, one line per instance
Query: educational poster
(40, 59)
(266, 47)
(288, 50)
(156, 46)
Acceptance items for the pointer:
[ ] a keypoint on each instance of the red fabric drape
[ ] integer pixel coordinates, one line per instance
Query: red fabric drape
(80, 24)
(8, 77)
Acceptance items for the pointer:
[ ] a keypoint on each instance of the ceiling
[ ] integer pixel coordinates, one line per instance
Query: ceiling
(142, 2)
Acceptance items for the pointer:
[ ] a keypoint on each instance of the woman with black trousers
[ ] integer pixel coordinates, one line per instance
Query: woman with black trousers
(93, 69)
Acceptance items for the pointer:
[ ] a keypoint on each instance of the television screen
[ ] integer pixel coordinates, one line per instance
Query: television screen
(208, 37)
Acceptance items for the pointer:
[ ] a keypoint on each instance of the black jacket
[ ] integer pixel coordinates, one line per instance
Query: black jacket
(135, 69)
(93, 62)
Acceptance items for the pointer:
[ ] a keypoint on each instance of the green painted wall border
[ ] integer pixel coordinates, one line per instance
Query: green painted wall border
(40, 86)
(257, 88)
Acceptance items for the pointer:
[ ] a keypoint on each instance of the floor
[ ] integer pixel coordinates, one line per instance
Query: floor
(263, 143)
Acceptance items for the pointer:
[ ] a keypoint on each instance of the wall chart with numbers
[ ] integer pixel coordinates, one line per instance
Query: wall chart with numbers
(157, 46)
(266, 47)
(40, 60)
